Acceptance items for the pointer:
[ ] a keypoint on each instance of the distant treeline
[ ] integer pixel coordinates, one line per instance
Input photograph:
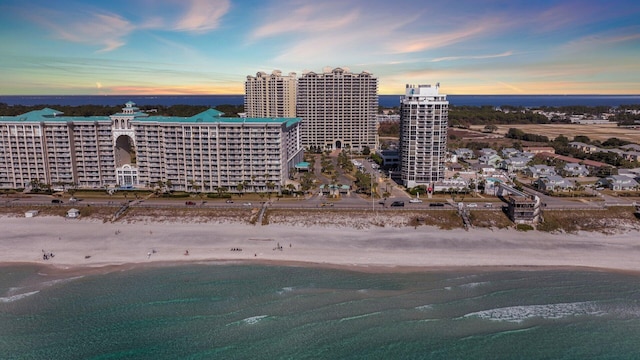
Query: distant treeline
(101, 110)
(463, 116)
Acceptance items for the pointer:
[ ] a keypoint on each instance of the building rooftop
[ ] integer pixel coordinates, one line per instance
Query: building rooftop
(207, 116)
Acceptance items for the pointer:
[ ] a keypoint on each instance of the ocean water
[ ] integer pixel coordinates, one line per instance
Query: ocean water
(218, 311)
(384, 100)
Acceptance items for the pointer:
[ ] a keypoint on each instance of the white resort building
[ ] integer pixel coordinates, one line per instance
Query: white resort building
(130, 149)
(424, 116)
(338, 110)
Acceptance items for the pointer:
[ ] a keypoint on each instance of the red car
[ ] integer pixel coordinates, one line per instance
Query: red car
(190, 203)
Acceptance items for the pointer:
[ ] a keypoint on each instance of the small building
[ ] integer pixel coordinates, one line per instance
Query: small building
(31, 213)
(73, 213)
(523, 209)
(586, 148)
(390, 158)
(539, 149)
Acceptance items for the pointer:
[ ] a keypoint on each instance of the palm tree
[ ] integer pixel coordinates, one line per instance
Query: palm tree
(270, 185)
(35, 185)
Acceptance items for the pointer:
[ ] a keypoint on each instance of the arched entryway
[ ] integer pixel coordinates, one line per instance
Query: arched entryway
(125, 157)
(125, 151)
(338, 144)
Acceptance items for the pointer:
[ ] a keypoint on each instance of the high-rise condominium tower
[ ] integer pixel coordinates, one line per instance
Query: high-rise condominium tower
(270, 95)
(338, 110)
(424, 116)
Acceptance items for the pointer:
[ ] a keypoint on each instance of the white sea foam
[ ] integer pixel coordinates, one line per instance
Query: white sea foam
(424, 307)
(284, 290)
(61, 281)
(547, 311)
(254, 319)
(360, 316)
(474, 284)
(16, 297)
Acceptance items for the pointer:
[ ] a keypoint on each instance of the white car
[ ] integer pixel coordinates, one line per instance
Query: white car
(415, 201)
(472, 205)
(247, 204)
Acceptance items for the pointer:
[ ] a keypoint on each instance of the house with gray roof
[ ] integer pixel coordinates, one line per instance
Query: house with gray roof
(554, 183)
(618, 183)
(537, 171)
(573, 169)
(511, 164)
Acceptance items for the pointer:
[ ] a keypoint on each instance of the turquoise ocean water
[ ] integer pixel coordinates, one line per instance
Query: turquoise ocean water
(218, 311)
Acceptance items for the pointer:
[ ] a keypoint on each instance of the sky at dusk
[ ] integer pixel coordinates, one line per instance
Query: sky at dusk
(121, 47)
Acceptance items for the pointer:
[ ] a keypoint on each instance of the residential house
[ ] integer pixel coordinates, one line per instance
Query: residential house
(539, 149)
(537, 171)
(573, 169)
(487, 151)
(492, 160)
(554, 183)
(509, 152)
(464, 153)
(512, 164)
(484, 169)
(586, 148)
(632, 155)
(618, 183)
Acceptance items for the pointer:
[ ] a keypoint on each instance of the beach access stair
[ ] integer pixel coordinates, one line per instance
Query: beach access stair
(120, 212)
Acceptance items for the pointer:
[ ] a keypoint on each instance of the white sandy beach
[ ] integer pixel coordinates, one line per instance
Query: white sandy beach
(90, 244)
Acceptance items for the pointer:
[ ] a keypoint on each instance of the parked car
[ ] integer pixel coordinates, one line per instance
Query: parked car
(189, 203)
(488, 205)
(397, 203)
(229, 201)
(436, 204)
(472, 205)
(57, 201)
(247, 204)
(415, 201)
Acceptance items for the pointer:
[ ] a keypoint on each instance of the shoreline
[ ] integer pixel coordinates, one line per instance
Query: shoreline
(120, 246)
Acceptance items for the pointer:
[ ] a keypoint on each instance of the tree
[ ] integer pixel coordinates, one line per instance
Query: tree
(582, 139)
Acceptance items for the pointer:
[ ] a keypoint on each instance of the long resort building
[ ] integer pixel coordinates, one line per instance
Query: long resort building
(205, 152)
(424, 118)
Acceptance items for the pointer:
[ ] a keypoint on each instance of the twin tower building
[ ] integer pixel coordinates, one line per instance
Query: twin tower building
(284, 115)
(339, 111)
